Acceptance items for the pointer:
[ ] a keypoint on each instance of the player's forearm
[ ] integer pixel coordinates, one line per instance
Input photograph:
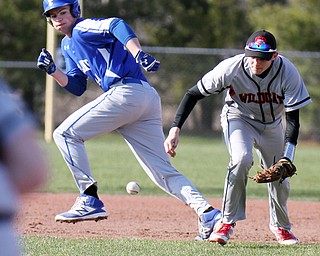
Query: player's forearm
(133, 45)
(60, 77)
(76, 84)
(186, 105)
(291, 134)
(292, 126)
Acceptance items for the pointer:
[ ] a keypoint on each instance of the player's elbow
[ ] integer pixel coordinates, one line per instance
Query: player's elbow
(77, 85)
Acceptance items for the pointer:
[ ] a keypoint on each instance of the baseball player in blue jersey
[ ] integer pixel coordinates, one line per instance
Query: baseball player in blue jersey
(260, 86)
(107, 51)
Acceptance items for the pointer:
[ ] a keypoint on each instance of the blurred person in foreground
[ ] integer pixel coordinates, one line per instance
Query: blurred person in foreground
(22, 164)
(261, 86)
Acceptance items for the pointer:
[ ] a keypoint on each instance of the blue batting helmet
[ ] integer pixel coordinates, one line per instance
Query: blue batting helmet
(51, 4)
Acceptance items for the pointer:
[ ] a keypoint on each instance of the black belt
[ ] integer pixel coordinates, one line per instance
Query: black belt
(129, 80)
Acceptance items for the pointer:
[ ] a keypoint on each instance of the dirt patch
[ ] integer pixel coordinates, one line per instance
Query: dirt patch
(156, 217)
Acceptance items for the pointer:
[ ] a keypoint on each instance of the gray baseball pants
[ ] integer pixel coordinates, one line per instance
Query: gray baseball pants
(132, 108)
(242, 135)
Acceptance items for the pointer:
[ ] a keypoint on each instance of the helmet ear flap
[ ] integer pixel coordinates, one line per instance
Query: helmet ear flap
(75, 9)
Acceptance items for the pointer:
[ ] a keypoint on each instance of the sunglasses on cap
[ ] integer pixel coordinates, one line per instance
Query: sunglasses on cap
(258, 46)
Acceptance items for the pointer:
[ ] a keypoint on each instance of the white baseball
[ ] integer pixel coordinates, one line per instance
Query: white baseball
(133, 188)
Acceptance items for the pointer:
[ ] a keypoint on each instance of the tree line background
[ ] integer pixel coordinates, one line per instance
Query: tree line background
(189, 25)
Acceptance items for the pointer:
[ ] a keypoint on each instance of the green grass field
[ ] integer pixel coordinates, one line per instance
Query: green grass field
(203, 161)
(38, 246)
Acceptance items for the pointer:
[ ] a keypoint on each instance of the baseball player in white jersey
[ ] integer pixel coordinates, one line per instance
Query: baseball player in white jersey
(260, 85)
(107, 51)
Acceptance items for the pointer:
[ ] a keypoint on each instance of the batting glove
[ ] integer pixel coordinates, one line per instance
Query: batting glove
(45, 62)
(148, 62)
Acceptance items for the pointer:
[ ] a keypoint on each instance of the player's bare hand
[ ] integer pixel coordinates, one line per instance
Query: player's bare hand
(172, 141)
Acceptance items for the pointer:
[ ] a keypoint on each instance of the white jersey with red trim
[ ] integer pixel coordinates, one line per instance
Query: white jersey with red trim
(261, 99)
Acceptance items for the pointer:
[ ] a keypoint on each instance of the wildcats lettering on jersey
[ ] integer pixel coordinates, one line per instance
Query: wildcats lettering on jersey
(261, 97)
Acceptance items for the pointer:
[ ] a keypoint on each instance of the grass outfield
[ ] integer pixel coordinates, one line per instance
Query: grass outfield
(40, 246)
(204, 161)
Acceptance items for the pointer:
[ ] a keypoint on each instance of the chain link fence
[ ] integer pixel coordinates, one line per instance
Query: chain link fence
(180, 69)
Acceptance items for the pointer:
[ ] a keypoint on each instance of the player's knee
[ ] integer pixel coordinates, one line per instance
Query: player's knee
(239, 168)
(56, 135)
(244, 160)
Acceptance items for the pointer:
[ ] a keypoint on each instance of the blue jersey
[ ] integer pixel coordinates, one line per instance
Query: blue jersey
(97, 50)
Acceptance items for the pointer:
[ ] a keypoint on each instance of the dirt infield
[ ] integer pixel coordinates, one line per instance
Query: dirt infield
(156, 217)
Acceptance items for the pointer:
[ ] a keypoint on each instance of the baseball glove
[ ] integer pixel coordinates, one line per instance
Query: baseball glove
(281, 170)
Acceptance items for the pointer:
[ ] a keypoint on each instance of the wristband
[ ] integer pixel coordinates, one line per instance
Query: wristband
(139, 56)
(289, 150)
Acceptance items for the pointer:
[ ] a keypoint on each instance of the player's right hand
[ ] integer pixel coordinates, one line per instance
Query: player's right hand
(148, 62)
(45, 62)
(172, 141)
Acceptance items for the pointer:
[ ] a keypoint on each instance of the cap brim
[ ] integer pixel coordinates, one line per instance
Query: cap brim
(258, 54)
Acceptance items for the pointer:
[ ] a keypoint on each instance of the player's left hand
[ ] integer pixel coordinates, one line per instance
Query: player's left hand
(172, 141)
(45, 62)
(281, 170)
(148, 62)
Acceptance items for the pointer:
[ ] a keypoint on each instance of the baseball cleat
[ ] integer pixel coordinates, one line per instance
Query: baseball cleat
(207, 222)
(85, 208)
(60, 219)
(223, 234)
(284, 236)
